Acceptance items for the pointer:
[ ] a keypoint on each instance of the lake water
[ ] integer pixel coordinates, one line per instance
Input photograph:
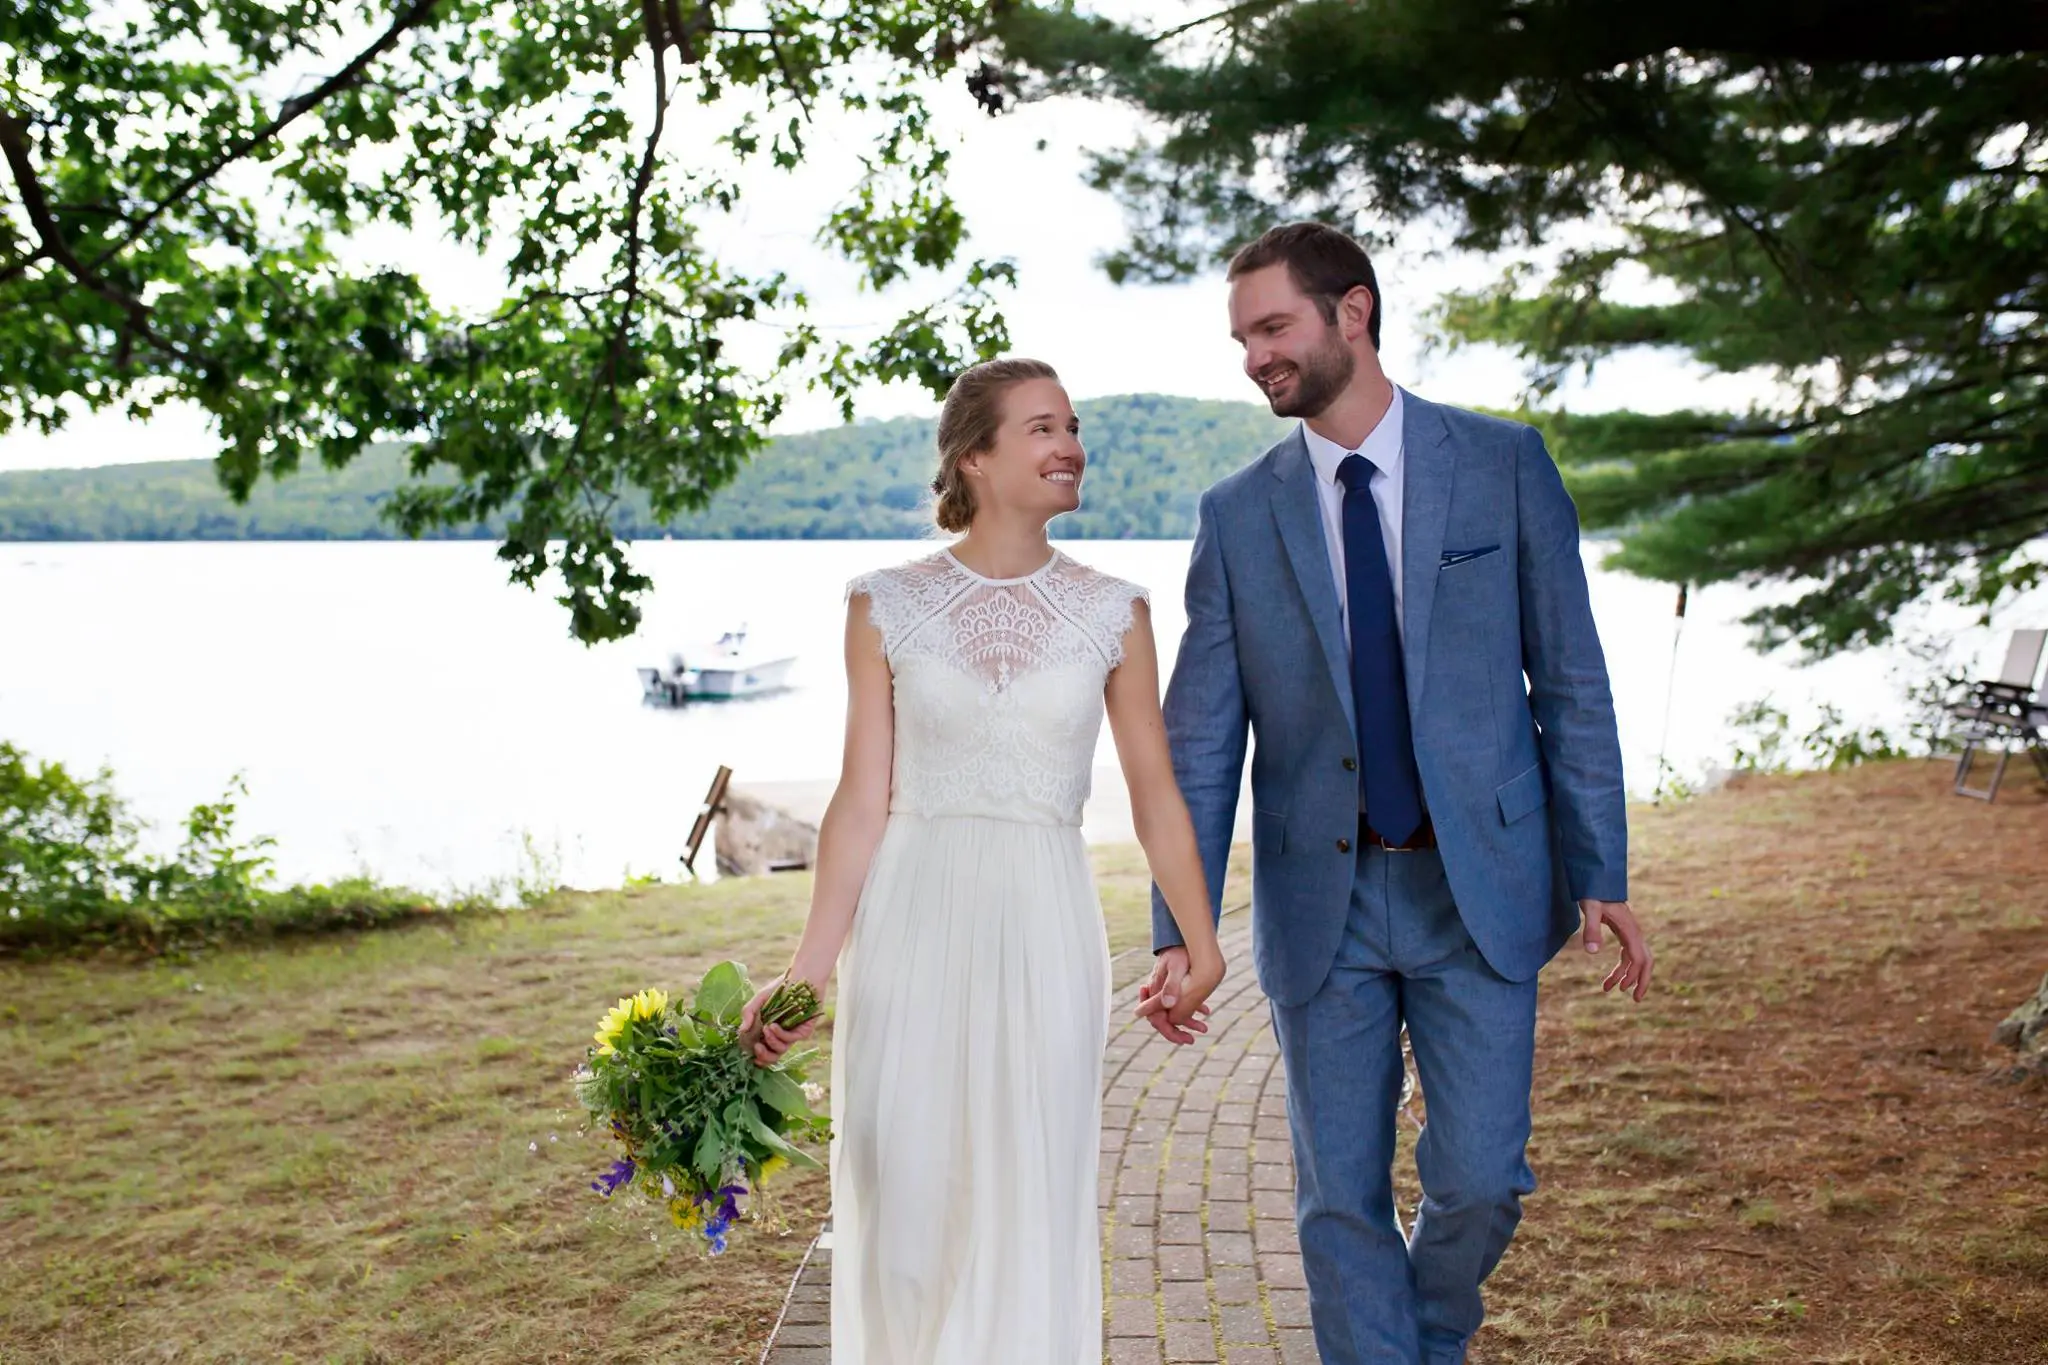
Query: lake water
(398, 707)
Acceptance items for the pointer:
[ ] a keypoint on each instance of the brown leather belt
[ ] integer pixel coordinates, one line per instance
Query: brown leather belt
(1423, 837)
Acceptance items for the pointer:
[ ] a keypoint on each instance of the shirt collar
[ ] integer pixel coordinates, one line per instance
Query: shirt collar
(1382, 448)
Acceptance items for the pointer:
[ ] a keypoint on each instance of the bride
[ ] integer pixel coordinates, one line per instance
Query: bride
(974, 1000)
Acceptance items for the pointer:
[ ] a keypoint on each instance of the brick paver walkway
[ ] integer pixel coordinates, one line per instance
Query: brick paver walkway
(1200, 1262)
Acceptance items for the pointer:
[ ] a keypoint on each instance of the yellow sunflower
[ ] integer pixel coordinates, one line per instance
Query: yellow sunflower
(612, 1027)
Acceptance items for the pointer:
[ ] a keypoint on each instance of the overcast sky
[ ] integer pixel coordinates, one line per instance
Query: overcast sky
(1019, 202)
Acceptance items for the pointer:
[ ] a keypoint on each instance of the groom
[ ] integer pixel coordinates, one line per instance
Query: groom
(1391, 599)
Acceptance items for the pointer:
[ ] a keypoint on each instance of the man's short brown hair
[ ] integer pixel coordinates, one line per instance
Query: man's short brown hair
(1325, 263)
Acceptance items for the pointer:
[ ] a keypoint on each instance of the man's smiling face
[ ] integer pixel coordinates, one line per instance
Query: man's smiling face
(1299, 359)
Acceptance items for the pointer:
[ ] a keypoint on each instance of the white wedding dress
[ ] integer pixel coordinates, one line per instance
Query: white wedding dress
(974, 988)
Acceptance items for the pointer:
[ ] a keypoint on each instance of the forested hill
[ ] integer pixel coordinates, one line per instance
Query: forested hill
(1150, 457)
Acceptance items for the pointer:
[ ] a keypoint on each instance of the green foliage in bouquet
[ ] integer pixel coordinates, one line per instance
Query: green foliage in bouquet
(701, 1123)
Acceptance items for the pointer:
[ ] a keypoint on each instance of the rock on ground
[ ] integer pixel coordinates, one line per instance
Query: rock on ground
(2026, 1029)
(755, 838)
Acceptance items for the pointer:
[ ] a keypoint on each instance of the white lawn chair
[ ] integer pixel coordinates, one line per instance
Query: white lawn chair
(2005, 714)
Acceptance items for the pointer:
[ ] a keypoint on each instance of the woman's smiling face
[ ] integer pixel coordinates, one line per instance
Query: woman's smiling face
(1034, 466)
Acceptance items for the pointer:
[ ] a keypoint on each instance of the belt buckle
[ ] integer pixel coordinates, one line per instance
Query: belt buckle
(1379, 841)
(1372, 838)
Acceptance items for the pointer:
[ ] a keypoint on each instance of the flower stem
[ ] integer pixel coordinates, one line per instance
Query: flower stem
(793, 1004)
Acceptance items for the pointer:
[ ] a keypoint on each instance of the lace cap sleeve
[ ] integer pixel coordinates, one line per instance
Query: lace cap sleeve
(903, 598)
(1103, 607)
(875, 587)
(1124, 599)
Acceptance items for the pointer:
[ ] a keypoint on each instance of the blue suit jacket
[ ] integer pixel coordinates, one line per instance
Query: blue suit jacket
(1507, 694)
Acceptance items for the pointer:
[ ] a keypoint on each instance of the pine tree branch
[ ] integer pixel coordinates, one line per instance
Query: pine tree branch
(1821, 32)
(1248, 7)
(1983, 505)
(1689, 167)
(1561, 39)
(1963, 512)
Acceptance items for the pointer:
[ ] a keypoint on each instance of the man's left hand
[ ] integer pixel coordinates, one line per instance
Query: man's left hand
(1632, 973)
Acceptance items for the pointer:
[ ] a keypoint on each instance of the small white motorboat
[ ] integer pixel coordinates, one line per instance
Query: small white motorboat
(722, 670)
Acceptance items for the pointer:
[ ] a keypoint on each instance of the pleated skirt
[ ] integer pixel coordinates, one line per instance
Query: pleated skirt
(967, 1100)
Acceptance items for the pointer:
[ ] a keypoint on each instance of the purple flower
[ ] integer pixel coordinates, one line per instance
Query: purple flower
(719, 1224)
(608, 1183)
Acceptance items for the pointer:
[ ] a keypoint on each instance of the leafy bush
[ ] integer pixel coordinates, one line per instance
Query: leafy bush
(66, 847)
(1928, 681)
(1766, 743)
(73, 874)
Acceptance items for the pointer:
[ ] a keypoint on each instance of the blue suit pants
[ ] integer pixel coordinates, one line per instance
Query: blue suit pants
(1406, 959)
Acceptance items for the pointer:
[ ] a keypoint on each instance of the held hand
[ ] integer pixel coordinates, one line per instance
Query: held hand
(767, 1044)
(1161, 997)
(1632, 973)
(1205, 974)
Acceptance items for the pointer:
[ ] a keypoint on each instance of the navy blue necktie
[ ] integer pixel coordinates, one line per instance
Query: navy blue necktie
(1386, 751)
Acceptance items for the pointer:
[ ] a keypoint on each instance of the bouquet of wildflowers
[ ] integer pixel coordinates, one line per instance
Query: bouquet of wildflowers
(702, 1124)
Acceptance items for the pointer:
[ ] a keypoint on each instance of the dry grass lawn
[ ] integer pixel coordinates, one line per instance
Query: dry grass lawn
(365, 1149)
(1799, 1149)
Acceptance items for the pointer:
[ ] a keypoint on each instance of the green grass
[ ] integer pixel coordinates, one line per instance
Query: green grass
(348, 906)
(364, 1147)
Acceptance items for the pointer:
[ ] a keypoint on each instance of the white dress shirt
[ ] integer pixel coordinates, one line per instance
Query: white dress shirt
(1382, 449)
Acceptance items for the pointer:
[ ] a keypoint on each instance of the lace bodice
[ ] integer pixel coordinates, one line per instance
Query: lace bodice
(998, 683)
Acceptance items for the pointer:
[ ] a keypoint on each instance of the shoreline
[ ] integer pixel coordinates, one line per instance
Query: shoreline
(1106, 819)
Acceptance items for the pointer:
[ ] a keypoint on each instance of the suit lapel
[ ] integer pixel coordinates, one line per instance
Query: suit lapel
(1300, 520)
(1429, 462)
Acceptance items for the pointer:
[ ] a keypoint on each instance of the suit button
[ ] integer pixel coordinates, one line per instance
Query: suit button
(1350, 764)
(1343, 845)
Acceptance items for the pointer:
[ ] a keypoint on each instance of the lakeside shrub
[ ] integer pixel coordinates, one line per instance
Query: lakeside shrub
(73, 874)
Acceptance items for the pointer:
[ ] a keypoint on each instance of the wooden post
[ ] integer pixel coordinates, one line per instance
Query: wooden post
(714, 804)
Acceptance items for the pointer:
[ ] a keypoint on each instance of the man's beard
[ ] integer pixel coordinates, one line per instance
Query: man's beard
(1318, 379)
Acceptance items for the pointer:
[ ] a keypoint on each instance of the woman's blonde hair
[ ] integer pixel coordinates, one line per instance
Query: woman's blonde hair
(967, 426)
